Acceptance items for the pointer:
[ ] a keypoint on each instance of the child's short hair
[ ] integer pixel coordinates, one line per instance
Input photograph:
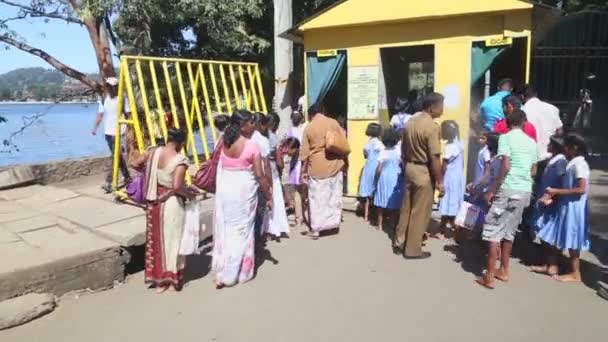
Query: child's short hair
(297, 118)
(449, 130)
(221, 122)
(390, 138)
(576, 141)
(492, 143)
(292, 142)
(373, 130)
(557, 143)
(516, 119)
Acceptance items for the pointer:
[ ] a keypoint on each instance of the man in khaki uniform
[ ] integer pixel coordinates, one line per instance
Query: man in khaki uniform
(421, 157)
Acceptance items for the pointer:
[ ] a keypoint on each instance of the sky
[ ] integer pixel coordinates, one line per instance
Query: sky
(69, 43)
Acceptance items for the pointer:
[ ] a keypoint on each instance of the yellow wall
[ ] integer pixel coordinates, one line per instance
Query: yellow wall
(452, 38)
(357, 12)
(363, 56)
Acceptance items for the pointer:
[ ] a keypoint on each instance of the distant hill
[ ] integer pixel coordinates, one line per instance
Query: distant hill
(36, 84)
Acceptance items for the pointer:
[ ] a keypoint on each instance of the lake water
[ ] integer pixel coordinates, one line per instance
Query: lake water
(63, 131)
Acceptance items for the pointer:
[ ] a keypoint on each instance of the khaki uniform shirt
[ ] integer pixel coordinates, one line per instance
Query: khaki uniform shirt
(421, 139)
(320, 163)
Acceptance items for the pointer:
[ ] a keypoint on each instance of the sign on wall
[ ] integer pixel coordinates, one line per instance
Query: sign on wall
(499, 41)
(363, 92)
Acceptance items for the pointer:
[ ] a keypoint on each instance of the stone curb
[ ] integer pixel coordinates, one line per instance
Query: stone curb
(21, 310)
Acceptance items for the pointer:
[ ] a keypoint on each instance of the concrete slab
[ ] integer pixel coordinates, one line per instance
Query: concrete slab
(59, 260)
(22, 214)
(7, 237)
(9, 207)
(92, 212)
(31, 223)
(130, 232)
(18, 256)
(20, 310)
(19, 193)
(16, 176)
(94, 191)
(48, 245)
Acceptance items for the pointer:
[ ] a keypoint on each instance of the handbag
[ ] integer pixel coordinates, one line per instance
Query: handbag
(336, 143)
(206, 174)
(468, 215)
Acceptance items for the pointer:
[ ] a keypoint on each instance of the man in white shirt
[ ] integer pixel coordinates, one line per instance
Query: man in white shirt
(108, 113)
(545, 118)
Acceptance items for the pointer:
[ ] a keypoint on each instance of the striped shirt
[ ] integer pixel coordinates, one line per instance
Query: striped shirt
(521, 150)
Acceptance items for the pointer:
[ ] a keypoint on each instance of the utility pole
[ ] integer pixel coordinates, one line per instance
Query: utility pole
(283, 64)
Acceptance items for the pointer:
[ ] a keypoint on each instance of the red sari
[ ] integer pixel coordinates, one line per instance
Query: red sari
(164, 227)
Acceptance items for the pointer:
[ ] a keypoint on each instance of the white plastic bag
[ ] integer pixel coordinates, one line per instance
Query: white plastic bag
(192, 229)
(467, 215)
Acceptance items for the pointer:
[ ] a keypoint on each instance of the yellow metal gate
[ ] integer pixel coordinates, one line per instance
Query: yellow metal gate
(184, 92)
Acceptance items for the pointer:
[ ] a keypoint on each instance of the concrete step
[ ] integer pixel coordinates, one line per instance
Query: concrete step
(16, 176)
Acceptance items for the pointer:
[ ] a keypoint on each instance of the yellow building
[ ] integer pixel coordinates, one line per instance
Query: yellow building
(362, 54)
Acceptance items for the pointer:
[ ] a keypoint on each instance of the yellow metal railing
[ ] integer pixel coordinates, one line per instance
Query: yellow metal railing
(187, 91)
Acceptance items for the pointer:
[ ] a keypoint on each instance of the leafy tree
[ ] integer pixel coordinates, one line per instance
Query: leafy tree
(5, 94)
(93, 15)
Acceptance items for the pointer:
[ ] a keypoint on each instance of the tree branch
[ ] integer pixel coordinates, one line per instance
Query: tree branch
(71, 72)
(35, 13)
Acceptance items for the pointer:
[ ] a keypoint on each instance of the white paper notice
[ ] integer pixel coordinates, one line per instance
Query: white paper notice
(452, 96)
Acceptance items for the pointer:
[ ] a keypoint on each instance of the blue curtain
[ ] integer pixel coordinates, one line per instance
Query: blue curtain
(481, 60)
(323, 72)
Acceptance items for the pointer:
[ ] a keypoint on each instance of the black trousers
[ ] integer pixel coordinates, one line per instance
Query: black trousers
(111, 139)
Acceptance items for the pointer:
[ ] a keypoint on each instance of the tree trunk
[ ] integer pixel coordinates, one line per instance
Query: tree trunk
(101, 45)
(283, 64)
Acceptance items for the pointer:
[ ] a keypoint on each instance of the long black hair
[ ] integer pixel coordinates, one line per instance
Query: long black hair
(175, 135)
(221, 122)
(233, 131)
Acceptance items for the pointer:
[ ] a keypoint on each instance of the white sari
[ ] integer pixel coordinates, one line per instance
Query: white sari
(236, 201)
(275, 221)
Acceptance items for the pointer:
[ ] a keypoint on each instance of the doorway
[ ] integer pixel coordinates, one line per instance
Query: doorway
(327, 80)
(409, 73)
(490, 65)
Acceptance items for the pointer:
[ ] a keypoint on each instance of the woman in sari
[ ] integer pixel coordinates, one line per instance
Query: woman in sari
(322, 171)
(165, 194)
(239, 176)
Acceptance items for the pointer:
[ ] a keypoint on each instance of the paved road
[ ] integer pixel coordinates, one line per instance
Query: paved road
(348, 287)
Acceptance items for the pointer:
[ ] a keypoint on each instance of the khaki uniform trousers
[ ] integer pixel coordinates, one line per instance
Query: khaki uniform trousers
(416, 210)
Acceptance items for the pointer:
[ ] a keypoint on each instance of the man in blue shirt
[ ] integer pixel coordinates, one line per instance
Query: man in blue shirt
(491, 107)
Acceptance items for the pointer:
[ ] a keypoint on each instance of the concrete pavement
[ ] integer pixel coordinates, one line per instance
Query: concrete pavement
(348, 287)
(66, 237)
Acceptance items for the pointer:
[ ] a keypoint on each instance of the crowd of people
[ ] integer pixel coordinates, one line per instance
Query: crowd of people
(529, 177)
(265, 184)
(261, 181)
